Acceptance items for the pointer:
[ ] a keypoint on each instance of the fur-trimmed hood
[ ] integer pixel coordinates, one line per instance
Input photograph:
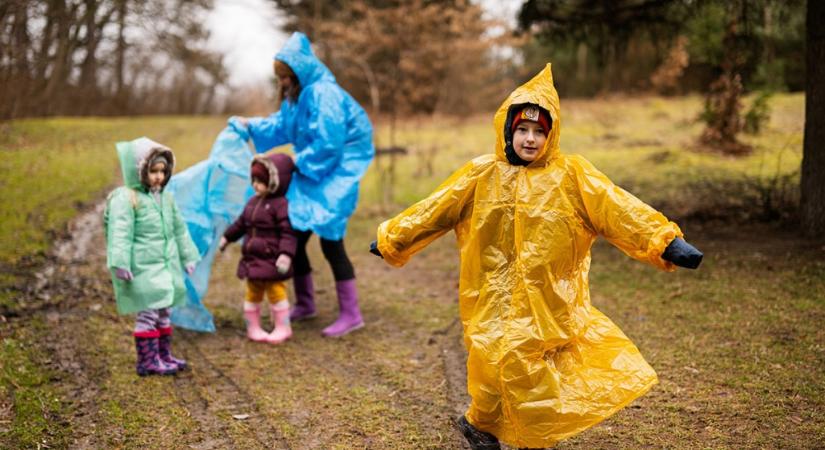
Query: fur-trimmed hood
(135, 157)
(280, 167)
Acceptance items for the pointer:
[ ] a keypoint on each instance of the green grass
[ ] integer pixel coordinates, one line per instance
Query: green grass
(51, 168)
(32, 414)
(646, 145)
(737, 344)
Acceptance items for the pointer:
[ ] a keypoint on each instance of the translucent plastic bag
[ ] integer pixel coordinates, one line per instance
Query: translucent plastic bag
(210, 195)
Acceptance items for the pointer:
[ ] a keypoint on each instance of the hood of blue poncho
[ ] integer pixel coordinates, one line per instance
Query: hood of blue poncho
(297, 54)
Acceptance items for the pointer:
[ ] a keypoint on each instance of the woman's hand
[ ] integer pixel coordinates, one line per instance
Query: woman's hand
(240, 125)
(282, 263)
(222, 244)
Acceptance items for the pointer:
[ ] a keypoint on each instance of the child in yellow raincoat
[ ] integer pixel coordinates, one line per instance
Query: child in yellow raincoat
(543, 363)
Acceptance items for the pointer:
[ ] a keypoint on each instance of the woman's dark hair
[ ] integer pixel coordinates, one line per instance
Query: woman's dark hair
(282, 70)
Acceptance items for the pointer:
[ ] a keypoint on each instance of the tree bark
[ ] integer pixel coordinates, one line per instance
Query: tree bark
(120, 58)
(812, 185)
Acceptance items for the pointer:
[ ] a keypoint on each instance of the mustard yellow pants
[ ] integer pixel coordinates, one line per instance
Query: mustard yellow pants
(275, 291)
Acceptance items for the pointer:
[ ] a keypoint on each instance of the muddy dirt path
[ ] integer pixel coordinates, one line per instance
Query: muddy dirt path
(398, 383)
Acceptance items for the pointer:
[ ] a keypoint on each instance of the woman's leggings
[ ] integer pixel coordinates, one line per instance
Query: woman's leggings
(334, 252)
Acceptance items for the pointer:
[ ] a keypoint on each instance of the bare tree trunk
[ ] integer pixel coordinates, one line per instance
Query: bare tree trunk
(120, 57)
(20, 76)
(812, 185)
(372, 82)
(581, 62)
(62, 59)
(47, 39)
(88, 70)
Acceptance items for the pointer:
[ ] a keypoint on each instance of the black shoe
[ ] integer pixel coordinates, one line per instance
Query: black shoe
(477, 439)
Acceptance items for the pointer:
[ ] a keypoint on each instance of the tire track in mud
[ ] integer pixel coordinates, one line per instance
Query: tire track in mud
(207, 392)
(231, 399)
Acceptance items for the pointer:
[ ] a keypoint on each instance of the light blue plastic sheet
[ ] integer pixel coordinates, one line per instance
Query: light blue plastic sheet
(210, 195)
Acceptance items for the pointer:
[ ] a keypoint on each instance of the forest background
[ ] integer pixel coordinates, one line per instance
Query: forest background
(711, 111)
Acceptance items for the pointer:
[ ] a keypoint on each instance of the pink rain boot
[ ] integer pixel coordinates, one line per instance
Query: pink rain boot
(349, 316)
(282, 330)
(304, 308)
(165, 350)
(252, 314)
(148, 361)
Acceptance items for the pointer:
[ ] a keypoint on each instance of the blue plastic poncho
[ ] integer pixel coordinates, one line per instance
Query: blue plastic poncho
(210, 195)
(332, 139)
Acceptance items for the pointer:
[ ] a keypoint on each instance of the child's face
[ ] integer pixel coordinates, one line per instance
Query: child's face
(260, 188)
(156, 176)
(528, 139)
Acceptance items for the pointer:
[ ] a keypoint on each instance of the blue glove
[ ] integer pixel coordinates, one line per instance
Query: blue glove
(237, 126)
(682, 254)
(374, 249)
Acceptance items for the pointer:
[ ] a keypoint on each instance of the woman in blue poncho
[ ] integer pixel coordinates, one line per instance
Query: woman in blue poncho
(332, 139)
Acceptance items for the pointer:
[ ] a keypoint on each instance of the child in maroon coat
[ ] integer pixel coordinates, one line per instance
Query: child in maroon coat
(268, 247)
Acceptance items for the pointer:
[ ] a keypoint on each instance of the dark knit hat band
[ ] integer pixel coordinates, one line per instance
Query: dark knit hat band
(534, 114)
(260, 172)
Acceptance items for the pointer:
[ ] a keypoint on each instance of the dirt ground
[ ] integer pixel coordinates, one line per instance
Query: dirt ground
(312, 392)
(398, 383)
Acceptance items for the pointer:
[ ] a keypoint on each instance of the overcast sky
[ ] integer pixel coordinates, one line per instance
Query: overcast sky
(248, 33)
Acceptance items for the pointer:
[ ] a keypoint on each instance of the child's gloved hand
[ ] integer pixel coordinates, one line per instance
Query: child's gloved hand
(222, 244)
(190, 268)
(374, 249)
(240, 125)
(282, 263)
(682, 254)
(123, 274)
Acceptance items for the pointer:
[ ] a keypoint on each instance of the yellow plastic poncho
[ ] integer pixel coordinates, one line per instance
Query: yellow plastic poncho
(543, 363)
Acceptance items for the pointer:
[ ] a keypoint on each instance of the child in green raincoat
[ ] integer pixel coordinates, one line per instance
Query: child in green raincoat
(543, 363)
(148, 247)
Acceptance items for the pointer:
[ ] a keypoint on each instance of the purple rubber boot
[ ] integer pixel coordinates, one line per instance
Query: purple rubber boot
(349, 316)
(165, 350)
(148, 361)
(304, 298)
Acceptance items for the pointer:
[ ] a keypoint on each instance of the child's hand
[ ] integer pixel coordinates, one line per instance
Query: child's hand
(682, 254)
(223, 243)
(282, 263)
(190, 268)
(123, 274)
(374, 249)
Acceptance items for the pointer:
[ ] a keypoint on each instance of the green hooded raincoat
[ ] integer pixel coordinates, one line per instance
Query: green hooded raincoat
(145, 236)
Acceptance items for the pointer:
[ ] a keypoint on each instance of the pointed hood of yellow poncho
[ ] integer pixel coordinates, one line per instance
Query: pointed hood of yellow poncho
(541, 92)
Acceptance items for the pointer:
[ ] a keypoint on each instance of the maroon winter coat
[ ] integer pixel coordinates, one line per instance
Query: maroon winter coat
(265, 226)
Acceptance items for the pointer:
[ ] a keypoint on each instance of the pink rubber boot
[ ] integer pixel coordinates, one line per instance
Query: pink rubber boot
(282, 330)
(252, 315)
(148, 361)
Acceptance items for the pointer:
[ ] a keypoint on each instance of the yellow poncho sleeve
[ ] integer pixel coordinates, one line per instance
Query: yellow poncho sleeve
(633, 226)
(409, 232)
